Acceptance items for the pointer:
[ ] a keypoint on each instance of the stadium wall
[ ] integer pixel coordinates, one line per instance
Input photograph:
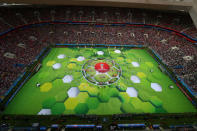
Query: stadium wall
(193, 12)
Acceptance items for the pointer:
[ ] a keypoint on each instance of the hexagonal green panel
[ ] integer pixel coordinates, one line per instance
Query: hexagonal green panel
(81, 108)
(46, 87)
(59, 86)
(50, 63)
(58, 108)
(48, 103)
(128, 61)
(124, 97)
(69, 112)
(111, 107)
(72, 66)
(148, 107)
(77, 75)
(82, 97)
(73, 60)
(141, 75)
(113, 92)
(93, 102)
(128, 108)
(90, 88)
(103, 96)
(138, 104)
(144, 96)
(60, 97)
(71, 103)
(122, 86)
(119, 59)
(156, 101)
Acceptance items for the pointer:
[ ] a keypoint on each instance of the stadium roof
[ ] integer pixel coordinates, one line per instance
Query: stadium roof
(180, 5)
(153, 4)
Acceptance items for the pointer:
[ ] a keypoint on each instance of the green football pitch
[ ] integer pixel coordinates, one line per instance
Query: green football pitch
(72, 82)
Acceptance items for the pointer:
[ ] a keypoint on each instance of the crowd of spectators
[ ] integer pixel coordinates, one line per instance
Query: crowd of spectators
(25, 44)
(22, 47)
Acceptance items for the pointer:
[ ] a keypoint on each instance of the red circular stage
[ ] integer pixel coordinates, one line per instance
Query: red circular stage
(102, 67)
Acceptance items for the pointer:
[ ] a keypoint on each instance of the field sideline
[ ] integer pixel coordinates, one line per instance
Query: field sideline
(141, 88)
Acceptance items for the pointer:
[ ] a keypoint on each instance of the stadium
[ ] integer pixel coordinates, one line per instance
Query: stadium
(98, 66)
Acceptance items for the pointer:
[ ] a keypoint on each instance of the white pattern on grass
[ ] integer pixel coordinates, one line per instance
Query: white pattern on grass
(135, 79)
(73, 92)
(80, 58)
(45, 112)
(100, 52)
(132, 92)
(135, 64)
(61, 56)
(156, 87)
(117, 51)
(67, 79)
(57, 66)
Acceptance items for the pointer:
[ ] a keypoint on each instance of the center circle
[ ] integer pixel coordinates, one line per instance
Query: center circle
(102, 67)
(101, 71)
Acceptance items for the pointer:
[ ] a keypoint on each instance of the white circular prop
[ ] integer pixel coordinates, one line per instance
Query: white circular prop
(135, 79)
(132, 92)
(156, 87)
(117, 51)
(135, 64)
(73, 92)
(45, 112)
(80, 58)
(57, 66)
(61, 56)
(100, 52)
(67, 79)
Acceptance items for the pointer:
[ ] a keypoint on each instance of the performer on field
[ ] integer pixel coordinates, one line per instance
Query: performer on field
(38, 84)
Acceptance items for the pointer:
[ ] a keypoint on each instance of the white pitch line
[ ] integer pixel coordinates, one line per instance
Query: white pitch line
(108, 75)
(115, 67)
(93, 79)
